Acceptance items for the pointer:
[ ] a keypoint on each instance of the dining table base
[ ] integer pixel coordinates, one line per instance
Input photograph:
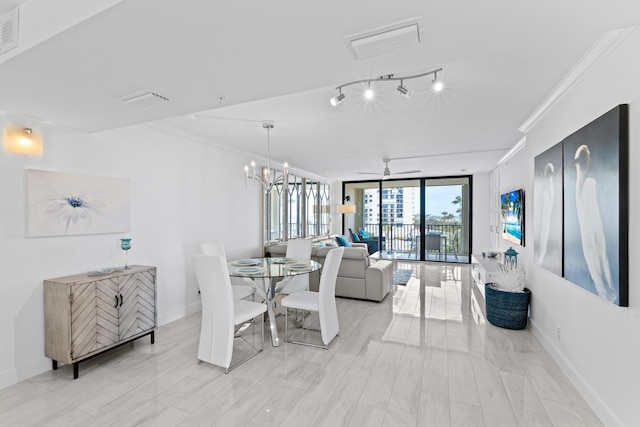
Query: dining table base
(266, 289)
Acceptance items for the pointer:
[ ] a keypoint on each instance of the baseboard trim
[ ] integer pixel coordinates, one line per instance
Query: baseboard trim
(8, 378)
(31, 369)
(594, 400)
(179, 313)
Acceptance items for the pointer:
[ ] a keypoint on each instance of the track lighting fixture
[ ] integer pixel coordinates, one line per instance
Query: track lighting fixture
(369, 94)
(404, 91)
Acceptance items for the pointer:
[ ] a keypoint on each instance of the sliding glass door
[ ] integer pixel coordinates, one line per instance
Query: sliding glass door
(413, 219)
(400, 216)
(446, 219)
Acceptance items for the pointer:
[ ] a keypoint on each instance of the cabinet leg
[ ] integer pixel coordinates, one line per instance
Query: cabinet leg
(75, 371)
(54, 364)
(153, 337)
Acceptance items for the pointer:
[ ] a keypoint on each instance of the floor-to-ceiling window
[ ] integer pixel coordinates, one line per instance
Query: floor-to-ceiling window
(419, 219)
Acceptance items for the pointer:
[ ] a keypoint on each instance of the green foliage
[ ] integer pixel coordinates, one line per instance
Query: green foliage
(458, 202)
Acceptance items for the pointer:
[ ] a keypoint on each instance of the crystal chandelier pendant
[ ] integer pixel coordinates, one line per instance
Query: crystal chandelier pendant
(267, 178)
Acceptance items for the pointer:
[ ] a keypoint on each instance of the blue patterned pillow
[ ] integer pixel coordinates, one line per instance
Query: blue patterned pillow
(342, 241)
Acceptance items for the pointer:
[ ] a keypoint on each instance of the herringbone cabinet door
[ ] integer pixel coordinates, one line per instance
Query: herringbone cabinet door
(94, 317)
(137, 313)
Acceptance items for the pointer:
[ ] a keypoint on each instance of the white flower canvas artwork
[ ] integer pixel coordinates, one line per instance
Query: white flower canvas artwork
(64, 204)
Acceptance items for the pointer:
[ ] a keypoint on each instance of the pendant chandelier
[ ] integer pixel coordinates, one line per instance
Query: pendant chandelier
(268, 178)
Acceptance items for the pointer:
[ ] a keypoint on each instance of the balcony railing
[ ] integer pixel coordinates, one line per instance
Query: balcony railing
(402, 237)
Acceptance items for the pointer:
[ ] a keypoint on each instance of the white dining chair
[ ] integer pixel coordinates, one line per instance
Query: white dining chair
(222, 313)
(323, 302)
(296, 249)
(240, 290)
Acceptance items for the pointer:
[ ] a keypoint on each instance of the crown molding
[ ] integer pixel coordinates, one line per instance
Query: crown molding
(163, 127)
(605, 44)
(519, 146)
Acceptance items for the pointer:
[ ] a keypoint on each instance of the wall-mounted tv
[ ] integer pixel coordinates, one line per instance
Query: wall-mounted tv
(512, 211)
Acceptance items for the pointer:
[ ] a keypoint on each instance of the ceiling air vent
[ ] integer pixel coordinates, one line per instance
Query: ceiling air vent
(8, 31)
(384, 41)
(145, 98)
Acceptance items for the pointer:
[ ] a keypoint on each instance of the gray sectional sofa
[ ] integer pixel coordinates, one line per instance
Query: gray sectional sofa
(358, 277)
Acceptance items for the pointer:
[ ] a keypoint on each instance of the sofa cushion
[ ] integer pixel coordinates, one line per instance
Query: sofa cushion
(342, 241)
(364, 234)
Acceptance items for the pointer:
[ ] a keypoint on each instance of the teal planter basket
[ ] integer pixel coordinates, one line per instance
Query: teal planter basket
(508, 310)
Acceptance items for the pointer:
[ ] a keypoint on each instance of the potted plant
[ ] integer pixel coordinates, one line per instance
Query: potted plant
(507, 299)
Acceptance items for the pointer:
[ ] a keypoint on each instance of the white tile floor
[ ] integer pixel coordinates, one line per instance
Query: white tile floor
(423, 357)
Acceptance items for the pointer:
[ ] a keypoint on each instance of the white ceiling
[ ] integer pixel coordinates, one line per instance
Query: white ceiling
(281, 61)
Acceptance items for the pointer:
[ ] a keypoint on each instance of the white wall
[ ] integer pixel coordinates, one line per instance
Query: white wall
(480, 220)
(599, 347)
(182, 193)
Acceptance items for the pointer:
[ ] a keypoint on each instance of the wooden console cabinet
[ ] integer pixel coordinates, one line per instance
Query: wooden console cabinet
(86, 315)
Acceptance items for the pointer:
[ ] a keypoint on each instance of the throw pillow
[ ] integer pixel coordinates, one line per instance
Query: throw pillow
(365, 235)
(342, 241)
(331, 244)
(356, 238)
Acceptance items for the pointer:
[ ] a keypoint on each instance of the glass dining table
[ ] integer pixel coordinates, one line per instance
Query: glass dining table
(265, 273)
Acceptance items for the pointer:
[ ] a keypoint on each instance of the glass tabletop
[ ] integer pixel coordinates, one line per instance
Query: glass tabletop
(386, 255)
(271, 267)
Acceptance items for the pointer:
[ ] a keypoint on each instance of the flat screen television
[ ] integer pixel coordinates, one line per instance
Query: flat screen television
(512, 211)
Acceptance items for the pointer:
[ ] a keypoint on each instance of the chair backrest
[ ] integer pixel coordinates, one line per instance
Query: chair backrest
(216, 346)
(213, 248)
(432, 242)
(327, 296)
(299, 249)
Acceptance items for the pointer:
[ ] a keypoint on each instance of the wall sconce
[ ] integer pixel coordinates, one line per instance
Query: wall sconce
(345, 208)
(22, 140)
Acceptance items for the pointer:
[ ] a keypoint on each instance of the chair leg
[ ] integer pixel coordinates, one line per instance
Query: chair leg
(286, 332)
(262, 332)
(286, 324)
(255, 350)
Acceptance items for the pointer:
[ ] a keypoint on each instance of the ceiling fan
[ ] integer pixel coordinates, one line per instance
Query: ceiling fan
(387, 173)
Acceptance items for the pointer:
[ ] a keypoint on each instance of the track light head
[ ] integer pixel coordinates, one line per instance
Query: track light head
(437, 84)
(369, 94)
(404, 91)
(337, 99)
